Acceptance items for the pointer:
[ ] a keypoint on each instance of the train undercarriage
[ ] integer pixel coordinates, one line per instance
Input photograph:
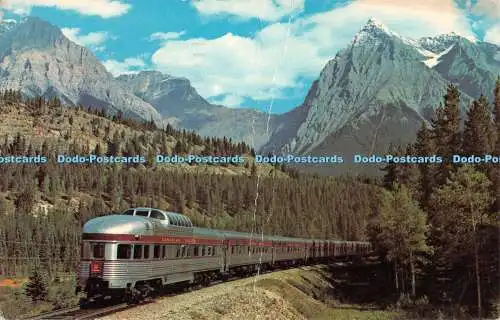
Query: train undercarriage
(98, 290)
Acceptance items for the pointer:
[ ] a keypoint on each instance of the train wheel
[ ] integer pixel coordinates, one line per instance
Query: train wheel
(133, 296)
(84, 303)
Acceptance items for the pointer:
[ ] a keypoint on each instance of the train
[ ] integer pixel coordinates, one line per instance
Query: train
(137, 253)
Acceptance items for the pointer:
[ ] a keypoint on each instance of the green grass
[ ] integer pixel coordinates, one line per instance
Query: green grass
(356, 313)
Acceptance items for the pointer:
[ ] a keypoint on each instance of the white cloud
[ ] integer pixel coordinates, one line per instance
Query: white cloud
(269, 10)
(488, 8)
(92, 40)
(258, 67)
(102, 8)
(163, 36)
(229, 100)
(262, 66)
(493, 34)
(127, 66)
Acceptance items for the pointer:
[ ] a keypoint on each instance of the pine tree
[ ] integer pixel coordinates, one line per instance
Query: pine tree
(393, 171)
(463, 204)
(424, 146)
(446, 129)
(478, 129)
(496, 170)
(36, 287)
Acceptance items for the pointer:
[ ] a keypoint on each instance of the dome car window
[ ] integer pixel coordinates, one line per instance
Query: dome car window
(142, 213)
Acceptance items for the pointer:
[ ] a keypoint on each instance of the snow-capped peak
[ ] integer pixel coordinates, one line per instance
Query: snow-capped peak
(372, 29)
(9, 21)
(433, 61)
(376, 23)
(441, 42)
(7, 24)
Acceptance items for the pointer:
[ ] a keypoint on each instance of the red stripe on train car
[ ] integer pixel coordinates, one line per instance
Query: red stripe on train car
(250, 242)
(278, 244)
(149, 239)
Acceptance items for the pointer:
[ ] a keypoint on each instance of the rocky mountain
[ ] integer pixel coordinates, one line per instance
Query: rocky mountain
(180, 104)
(36, 58)
(379, 89)
(374, 92)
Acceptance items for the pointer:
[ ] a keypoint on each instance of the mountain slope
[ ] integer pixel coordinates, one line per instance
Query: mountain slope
(36, 58)
(379, 89)
(180, 104)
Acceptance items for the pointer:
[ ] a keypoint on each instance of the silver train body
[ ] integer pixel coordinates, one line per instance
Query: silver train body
(144, 249)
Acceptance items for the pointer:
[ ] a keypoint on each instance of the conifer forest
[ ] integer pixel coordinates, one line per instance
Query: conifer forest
(434, 226)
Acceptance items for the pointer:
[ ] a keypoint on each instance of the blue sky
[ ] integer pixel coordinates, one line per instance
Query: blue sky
(247, 53)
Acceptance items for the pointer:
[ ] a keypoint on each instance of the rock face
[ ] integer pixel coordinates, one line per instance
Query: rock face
(180, 104)
(36, 58)
(378, 91)
(375, 92)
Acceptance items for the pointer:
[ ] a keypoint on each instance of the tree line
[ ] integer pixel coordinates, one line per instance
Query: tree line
(438, 224)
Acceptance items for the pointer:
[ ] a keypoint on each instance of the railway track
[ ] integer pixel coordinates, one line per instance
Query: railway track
(81, 314)
(76, 313)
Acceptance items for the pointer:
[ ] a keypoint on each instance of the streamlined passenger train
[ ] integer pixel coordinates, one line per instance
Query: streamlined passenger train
(138, 252)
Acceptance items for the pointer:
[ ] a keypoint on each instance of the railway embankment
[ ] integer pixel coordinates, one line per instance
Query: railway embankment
(317, 293)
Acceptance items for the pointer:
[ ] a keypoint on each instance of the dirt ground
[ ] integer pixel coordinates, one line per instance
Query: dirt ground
(293, 294)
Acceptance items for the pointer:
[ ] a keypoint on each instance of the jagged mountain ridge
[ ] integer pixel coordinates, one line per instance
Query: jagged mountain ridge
(36, 58)
(180, 104)
(375, 91)
(379, 89)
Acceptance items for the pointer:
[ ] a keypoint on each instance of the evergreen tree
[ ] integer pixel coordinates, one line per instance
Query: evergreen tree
(478, 129)
(36, 287)
(424, 146)
(393, 170)
(463, 204)
(496, 169)
(446, 129)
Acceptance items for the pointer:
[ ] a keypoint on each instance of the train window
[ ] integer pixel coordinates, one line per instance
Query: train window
(213, 251)
(202, 251)
(138, 251)
(209, 251)
(157, 215)
(196, 251)
(157, 251)
(232, 250)
(178, 254)
(129, 212)
(124, 251)
(98, 250)
(146, 252)
(184, 251)
(163, 252)
(142, 213)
